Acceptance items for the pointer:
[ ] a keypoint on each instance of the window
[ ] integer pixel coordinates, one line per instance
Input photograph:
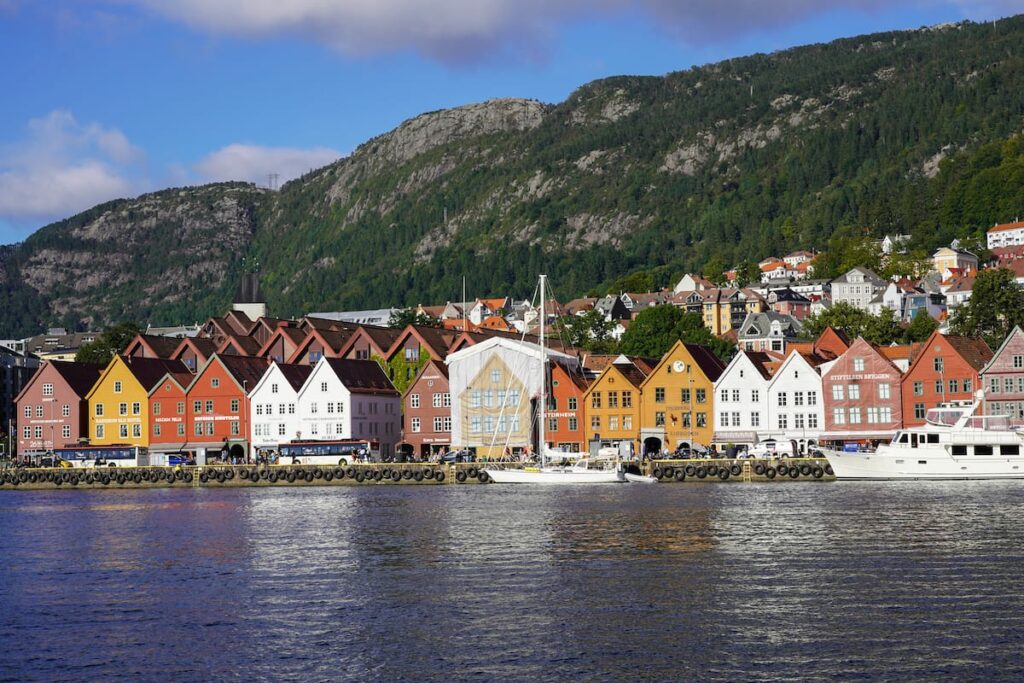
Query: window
(198, 429)
(197, 407)
(595, 421)
(798, 398)
(414, 400)
(39, 411)
(702, 396)
(215, 382)
(702, 419)
(858, 365)
(323, 387)
(983, 450)
(273, 388)
(595, 399)
(259, 408)
(885, 414)
(872, 415)
(627, 421)
(627, 399)
(437, 424)
(994, 385)
(918, 411)
(117, 387)
(1018, 362)
(234, 405)
(687, 420)
(47, 389)
(209, 406)
(724, 395)
(883, 391)
(26, 433)
(968, 386)
(572, 403)
(812, 398)
(755, 395)
(291, 409)
(938, 364)
(613, 423)
(838, 416)
(684, 395)
(853, 391)
(735, 395)
(724, 420)
(446, 423)
(919, 388)
(235, 428)
(782, 398)
(783, 421)
(495, 376)
(573, 424)
(812, 420)
(136, 408)
(123, 431)
(99, 431)
(314, 429)
(659, 394)
(613, 399)
(1008, 385)
(65, 410)
(314, 408)
(446, 400)
(436, 400)
(209, 428)
(99, 410)
(39, 432)
(156, 407)
(735, 419)
(954, 386)
(280, 429)
(28, 411)
(855, 415)
(488, 398)
(181, 429)
(65, 431)
(798, 421)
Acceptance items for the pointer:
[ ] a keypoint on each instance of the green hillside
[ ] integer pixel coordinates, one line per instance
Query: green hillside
(893, 132)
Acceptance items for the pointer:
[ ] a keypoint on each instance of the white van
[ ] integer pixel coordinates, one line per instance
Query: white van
(770, 448)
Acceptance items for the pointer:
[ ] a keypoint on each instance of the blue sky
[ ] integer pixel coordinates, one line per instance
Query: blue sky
(112, 98)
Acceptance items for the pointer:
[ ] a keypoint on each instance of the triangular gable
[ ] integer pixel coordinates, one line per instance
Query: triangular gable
(330, 341)
(430, 345)
(106, 372)
(1002, 347)
(182, 380)
(793, 358)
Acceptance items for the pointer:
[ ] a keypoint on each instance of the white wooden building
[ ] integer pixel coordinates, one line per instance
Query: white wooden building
(795, 404)
(741, 400)
(273, 405)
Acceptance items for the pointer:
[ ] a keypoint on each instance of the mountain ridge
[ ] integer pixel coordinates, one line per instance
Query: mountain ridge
(730, 161)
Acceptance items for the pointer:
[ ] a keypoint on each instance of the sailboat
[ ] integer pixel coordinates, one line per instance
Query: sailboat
(582, 471)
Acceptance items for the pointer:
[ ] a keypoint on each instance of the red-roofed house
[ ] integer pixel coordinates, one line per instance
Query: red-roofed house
(1006, 235)
(863, 396)
(51, 407)
(218, 407)
(945, 369)
(427, 415)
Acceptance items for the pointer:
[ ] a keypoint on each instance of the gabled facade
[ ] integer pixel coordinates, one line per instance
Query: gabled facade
(427, 411)
(945, 369)
(863, 396)
(858, 287)
(768, 332)
(613, 401)
(678, 399)
(218, 409)
(1003, 378)
(168, 414)
(796, 409)
(282, 344)
(320, 343)
(350, 399)
(741, 400)
(369, 342)
(51, 408)
(194, 352)
(567, 428)
(119, 401)
(273, 406)
(151, 346)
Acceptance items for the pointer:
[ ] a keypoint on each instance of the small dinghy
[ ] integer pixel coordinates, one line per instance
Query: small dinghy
(640, 479)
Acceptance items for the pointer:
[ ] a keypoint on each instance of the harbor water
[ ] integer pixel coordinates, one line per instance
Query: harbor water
(808, 581)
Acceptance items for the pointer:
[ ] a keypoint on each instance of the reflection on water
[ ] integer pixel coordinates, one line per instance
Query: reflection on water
(731, 582)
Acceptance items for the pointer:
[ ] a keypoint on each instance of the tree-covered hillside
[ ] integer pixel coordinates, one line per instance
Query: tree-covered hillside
(650, 176)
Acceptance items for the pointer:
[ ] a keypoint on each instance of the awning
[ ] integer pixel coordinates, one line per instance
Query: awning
(735, 437)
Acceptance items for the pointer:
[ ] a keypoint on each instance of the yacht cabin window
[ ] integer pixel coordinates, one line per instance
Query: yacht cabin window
(983, 450)
(959, 450)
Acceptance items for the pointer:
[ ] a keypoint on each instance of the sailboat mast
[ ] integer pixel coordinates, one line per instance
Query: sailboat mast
(543, 376)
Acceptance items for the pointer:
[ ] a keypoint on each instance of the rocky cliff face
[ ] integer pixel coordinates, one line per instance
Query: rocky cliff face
(735, 160)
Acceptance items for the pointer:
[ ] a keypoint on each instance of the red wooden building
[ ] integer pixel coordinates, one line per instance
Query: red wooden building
(567, 429)
(945, 369)
(52, 410)
(862, 396)
(427, 411)
(217, 407)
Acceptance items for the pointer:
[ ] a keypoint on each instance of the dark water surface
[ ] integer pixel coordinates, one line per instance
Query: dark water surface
(794, 581)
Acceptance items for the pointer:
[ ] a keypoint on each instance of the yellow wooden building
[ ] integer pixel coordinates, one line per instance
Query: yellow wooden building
(678, 397)
(119, 401)
(612, 401)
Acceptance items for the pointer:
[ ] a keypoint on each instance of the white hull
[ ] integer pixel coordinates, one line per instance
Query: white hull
(932, 462)
(640, 479)
(555, 476)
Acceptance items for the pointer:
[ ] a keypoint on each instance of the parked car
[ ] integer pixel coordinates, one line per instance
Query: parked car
(458, 456)
(770, 448)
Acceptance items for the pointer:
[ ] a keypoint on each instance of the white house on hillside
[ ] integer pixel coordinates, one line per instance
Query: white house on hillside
(741, 399)
(795, 403)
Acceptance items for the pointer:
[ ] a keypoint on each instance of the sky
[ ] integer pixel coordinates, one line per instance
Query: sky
(103, 99)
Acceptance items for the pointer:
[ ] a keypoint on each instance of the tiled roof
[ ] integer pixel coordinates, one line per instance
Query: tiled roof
(975, 351)
(79, 376)
(761, 361)
(708, 362)
(149, 371)
(163, 347)
(362, 376)
(295, 374)
(1007, 226)
(246, 370)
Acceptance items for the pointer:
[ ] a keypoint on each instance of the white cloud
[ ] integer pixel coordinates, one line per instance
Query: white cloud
(254, 163)
(63, 167)
(460, 30)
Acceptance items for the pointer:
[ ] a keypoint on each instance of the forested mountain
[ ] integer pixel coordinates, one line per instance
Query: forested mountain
(894, 132)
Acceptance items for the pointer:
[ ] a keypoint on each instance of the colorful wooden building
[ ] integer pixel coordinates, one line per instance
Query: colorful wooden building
(52, 409)
(119, 401)
(945, 369)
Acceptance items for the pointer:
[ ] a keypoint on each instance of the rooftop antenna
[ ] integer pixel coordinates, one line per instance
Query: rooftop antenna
(272, 181)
